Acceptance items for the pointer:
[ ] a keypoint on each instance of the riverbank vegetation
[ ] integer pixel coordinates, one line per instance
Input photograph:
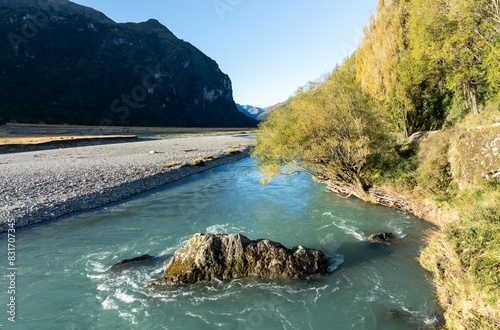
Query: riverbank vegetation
(414, 112)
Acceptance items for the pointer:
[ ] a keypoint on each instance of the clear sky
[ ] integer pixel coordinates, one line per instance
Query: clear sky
(269, 48)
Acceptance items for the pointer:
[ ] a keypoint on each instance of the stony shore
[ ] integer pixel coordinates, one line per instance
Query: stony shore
(42, 185)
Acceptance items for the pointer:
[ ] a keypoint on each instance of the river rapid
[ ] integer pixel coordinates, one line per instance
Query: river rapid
(64, 282)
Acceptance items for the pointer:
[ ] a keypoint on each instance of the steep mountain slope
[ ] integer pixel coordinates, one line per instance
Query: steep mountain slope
(66, 63)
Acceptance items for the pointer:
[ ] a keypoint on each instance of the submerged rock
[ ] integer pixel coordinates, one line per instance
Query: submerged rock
(120, 264)
(208, 257)
(381, 237)
(413, 319)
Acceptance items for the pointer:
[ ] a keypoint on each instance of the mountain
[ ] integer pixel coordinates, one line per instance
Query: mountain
(65, 63)
(259, 114)
(250, 111)
(263, 116)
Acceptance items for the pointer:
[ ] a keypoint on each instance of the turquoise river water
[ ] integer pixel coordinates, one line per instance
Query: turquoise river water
(63, 279)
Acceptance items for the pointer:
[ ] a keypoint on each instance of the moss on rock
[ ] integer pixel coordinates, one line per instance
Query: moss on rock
(477, 156)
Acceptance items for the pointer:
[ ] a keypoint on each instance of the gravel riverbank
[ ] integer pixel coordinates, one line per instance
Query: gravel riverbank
(42, 185)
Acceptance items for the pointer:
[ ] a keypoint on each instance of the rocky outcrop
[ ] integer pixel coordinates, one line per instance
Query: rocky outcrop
(476, 157)
(208, 257)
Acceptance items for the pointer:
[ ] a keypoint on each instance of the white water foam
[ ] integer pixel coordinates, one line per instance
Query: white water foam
(109, 303)
(128, 317)
(335, 262)
(226, 228)
(346, 227)
(126, 298)
(351, 230)
(103, 287)
(198, 317)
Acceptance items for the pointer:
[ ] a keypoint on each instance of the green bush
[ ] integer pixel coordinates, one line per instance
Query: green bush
(396, 167)
(434, 175)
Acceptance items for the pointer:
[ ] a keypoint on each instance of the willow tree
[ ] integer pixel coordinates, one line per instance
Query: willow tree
(328, 130)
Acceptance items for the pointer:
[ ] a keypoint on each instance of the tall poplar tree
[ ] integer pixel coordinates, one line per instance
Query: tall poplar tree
(379, 61)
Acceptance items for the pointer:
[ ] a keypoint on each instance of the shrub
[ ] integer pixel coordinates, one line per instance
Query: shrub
(434, 175)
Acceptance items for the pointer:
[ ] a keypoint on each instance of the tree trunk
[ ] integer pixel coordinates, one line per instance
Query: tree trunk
(359, 190)
(473, 100)
(347, 189)
(470, 98)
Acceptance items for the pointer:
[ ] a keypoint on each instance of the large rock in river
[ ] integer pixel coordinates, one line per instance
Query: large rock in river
(208, 257)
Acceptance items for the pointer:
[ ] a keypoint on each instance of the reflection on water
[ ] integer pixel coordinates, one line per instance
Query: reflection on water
(65, 282)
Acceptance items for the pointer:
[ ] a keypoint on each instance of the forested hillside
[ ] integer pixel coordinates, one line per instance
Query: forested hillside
(413, 116)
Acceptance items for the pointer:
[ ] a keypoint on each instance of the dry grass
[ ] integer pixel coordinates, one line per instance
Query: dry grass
(232, 150)
(172, 164)
(198, 162)
(13, 134)
(469, 302)
(28, 130)
(464, 258)
(488, 116)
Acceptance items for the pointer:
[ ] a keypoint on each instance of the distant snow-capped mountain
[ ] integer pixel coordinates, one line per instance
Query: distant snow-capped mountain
(259, 114)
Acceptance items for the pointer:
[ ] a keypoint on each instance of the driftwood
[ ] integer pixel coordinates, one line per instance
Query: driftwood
(340, 190)
(380, 197)
(374, 195)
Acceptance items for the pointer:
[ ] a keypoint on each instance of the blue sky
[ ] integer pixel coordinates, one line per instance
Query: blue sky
(269, 48)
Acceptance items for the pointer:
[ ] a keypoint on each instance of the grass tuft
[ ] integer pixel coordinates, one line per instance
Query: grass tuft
(197, 162)
(171, 164)
(232, 150)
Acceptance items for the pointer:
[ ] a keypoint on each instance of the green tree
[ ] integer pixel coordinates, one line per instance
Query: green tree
(420, 70)
(462, 51)
(454, 50)
(489, 36)
(328, 130)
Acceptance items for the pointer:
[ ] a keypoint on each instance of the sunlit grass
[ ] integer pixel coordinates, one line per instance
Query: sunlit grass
(464, 257)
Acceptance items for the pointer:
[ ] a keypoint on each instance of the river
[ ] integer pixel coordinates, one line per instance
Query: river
(63, 279)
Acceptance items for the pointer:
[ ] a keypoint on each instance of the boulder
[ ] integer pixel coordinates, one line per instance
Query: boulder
(408, 320)
(381, 237)
(208, 257)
